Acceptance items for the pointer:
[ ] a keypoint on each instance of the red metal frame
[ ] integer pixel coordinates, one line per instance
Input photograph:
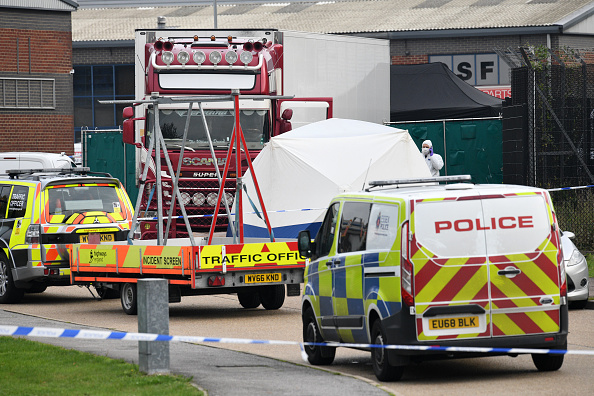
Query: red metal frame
(238, 138)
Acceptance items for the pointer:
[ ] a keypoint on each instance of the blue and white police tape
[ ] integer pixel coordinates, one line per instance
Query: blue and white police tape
(570, 188)
(116, 335)
(233, 214)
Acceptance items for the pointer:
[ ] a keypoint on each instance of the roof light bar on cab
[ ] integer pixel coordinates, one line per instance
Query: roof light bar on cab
(15, 172)
(457, 178)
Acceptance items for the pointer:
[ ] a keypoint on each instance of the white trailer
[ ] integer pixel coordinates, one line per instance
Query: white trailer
(353, 71)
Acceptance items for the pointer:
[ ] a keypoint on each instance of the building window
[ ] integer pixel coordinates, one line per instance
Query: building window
(101, 82)
(27, 93)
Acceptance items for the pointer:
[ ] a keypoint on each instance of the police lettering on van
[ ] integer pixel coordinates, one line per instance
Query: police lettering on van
(427, 264)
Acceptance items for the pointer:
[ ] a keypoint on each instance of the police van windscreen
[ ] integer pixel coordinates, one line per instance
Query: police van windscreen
(480, 227)
(80, 199)
(254, 123)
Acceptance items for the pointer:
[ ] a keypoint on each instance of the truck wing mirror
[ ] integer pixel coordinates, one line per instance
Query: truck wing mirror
(304, 243)
(128, 112)
(128, 132)
(287, 114)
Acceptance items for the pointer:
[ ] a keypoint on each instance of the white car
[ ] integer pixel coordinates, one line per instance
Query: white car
(576, 268)
(33, 160)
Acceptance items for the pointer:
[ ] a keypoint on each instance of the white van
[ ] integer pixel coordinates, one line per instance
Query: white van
(34, 160)
(436, 265)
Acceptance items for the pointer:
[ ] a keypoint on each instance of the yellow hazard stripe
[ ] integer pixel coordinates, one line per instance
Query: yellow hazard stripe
(473, 286)
(506, 324)
(436, 284)
(544, 321)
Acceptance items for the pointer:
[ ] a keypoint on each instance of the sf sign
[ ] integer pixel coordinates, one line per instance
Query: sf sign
(476, 69)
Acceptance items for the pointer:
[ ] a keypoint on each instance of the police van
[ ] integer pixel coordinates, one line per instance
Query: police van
(43, 210)
(413, 263)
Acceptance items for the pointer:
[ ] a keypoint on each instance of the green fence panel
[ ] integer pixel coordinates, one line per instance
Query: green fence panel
(468, 147)
(106, 152)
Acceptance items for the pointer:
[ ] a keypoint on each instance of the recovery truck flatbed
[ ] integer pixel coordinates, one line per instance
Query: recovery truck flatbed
(257, 270)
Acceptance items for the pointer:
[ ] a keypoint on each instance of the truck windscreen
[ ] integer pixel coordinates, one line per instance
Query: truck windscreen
(254, 123)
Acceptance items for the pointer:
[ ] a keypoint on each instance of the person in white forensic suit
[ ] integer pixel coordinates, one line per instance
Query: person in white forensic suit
(433, 160)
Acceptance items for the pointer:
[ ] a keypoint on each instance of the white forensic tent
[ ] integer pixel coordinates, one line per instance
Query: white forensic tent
(300, 171)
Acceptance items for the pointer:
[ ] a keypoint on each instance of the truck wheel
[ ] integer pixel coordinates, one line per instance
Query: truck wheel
(547, 362)
(105, 293)
(129, 298)
(9, 293)
(316, 354)
(379, 356)
(249, 299)
(272, 297)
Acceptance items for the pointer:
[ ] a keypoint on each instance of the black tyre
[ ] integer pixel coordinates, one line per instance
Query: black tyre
(37, 288)
(547, 362)
(272, 297)
(249, 299)
(106, 293)
(318, 355)
(581, 304)
(129, 298)
(379, 356)
(9, 293)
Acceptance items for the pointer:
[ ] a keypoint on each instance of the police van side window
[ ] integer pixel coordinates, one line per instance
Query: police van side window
(18, 202)
(325, 236)
(384, 225)
(4, 193)
(353, 227)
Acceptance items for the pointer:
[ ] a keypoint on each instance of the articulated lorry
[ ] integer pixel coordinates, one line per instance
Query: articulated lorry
(285, 79)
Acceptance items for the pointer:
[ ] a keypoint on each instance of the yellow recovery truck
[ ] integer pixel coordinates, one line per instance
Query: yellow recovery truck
(257, 270)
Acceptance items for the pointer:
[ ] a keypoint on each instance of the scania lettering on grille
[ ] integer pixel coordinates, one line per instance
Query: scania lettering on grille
(196, 161)
(503, 223)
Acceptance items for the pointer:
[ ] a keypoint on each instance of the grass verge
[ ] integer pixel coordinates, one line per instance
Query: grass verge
(590, 260)
(33, 368)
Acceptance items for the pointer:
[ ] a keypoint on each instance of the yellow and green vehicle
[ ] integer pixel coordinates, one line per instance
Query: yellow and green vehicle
(44, 210)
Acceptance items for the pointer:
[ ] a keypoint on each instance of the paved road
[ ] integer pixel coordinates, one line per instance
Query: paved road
(221, 316)
(214, 370)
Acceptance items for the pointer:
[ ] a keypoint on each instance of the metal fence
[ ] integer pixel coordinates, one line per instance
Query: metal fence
(556, 91)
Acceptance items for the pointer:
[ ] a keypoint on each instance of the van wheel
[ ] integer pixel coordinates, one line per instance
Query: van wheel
(547, 362)
(379, 356)
(37, 288)
(9, 293)
(129, 298)
(318, 355)
(249, 299)
(272, 297)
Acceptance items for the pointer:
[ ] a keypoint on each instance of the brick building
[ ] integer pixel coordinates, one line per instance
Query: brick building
(36, 112)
